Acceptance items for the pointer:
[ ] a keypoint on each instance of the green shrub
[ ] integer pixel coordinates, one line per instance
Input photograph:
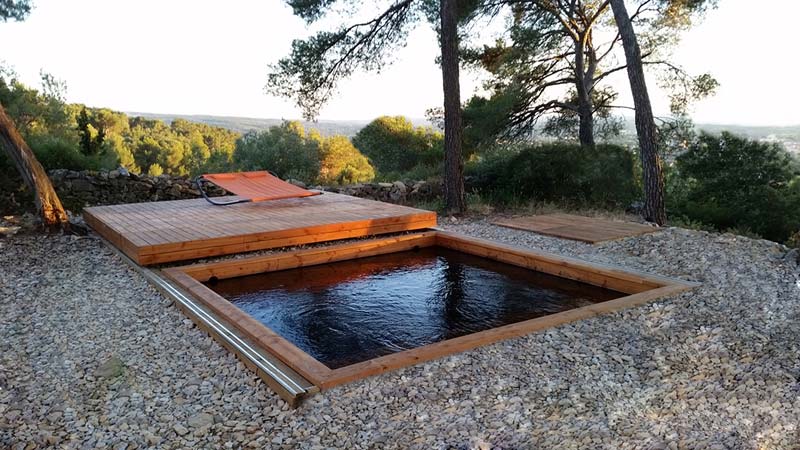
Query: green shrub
(285, 150)
(416, 173)
(341, 163)
(794, 240)
(685, 222)
(603, 176)
(155, 170)
(394, 145)
(732, 182)
(58, 153)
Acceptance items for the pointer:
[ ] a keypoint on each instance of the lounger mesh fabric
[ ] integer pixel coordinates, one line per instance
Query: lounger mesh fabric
(257, 186)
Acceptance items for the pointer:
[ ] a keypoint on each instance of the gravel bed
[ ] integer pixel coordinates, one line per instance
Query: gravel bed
(92, 357)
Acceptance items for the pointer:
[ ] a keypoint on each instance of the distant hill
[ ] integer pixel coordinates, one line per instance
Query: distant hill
(245, 124)
(789, 136)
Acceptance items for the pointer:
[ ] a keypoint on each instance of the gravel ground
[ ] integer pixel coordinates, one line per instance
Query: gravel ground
(92, 357)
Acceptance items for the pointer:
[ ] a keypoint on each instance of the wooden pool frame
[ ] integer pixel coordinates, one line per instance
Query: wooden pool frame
(641, 288)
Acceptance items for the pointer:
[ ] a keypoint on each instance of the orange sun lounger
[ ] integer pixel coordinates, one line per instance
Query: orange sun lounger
(257, 186)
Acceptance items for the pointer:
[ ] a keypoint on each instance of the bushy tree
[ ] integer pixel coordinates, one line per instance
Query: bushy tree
(153, 142)
(342, 163)
(210, 148)
(117, 146)
(108, 138)
(91, 138)
(394, 145)
(312, 71)
(285, 150)
(15, 10)
(730, 181)
(601, 176)
(35, 112)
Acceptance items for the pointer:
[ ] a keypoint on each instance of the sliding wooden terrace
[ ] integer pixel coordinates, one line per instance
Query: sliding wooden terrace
(161, 232)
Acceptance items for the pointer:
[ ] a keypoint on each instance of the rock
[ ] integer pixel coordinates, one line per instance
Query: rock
(297, 183)
(9, 231)
(12, 415)
(713, 366)
(117, 186)
(81, 185)
(201, 420)
(175, 191)
(111, 368)
(792, 255)
(635, 208)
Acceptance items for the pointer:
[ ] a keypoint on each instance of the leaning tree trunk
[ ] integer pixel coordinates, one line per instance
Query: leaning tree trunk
(654, 210)
(453, 160)
(47, 203)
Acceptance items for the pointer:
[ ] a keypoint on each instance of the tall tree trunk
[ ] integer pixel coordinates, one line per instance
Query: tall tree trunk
(654, 210)
(586, 122)
(453, 159)
(47, 203)
(584, 97)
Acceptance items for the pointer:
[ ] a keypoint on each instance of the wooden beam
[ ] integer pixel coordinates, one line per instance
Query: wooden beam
(308, 257)
(641, 287)
(311, 237)
(288, 353)
(606, 276)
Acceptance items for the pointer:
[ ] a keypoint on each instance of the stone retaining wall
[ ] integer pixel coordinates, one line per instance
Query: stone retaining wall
(88, 188)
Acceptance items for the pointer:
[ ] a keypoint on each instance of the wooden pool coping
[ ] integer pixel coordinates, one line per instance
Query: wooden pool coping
(640, 287)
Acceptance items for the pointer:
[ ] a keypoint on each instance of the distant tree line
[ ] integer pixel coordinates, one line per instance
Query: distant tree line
(73, 136)
(713, 181)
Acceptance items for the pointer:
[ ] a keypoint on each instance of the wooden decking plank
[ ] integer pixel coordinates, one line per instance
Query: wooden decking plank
(158, 231)
(586, 229)
(240, 247)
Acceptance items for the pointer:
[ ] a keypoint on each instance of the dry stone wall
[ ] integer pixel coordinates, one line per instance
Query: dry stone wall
(89, 188)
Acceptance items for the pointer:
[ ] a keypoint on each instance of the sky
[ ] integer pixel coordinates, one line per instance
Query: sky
(211, 57)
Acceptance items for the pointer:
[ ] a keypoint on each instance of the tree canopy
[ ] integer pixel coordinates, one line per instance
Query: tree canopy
(394, 144)
(286, 150)
(730, 181)
(315, 65)
(556, 56)
(78, 137)
(342, 163)
(291, 152)
(14, 10)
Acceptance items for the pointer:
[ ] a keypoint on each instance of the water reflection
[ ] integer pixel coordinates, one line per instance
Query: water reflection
(351, 311)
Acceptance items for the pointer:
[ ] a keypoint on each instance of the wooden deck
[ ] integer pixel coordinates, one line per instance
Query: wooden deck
(160, 232)
(578, 228)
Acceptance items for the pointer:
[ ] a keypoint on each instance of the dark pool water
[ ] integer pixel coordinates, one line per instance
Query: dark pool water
(347, 312)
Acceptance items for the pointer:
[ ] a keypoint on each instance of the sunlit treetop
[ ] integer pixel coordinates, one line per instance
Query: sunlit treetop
(312, 70)
(14, 10)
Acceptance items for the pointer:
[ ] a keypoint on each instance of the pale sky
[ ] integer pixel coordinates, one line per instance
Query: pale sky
(212, 57)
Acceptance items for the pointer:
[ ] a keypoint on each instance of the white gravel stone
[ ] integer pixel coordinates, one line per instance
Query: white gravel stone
(717, 367)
